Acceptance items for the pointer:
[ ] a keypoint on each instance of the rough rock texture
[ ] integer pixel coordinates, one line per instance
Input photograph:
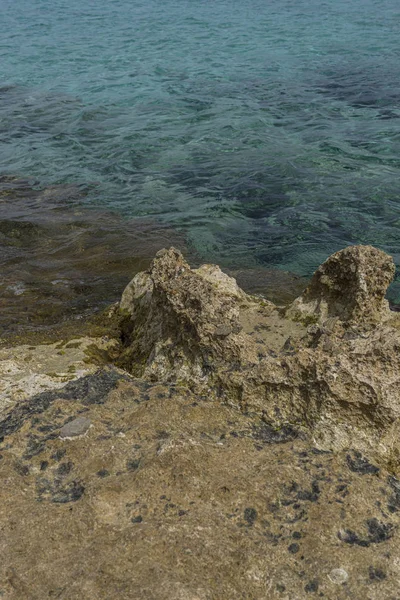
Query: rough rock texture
(183, 323)
(338, 375)
(254, 454)
(170, 496)
(30, 369)
(350, 285)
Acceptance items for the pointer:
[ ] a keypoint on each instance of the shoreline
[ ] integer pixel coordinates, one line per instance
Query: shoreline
(250, 331)
(62, 261)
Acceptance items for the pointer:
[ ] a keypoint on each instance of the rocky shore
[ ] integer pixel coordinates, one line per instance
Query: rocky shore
(208, 444)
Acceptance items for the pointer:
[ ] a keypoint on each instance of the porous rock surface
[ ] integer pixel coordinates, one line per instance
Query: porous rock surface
(244, 451)
(350, 285)
(173, 496)
(329, 362)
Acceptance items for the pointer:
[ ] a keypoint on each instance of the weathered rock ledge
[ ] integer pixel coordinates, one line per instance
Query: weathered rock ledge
(235, 450)
(329, 362)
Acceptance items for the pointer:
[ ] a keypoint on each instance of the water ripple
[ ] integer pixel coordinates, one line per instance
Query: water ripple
(266, 134)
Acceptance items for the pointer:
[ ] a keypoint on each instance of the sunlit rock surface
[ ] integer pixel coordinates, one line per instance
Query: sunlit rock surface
(328, 362)
(350, 285)
(234, 450)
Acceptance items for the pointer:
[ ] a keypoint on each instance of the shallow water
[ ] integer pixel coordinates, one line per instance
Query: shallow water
(263, 133)
(61, 262)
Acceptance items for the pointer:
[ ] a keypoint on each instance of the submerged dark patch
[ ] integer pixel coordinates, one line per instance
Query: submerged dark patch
(359, 88)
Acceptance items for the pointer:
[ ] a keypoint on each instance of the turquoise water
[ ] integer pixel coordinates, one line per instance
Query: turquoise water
(265, 131)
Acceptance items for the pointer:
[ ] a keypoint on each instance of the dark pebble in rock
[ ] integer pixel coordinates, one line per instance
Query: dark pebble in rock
(358, 464)
(137, 519)
(34, 447)
(64, 468)
(293, 548)
(296, 535)
(376, 574)
(71, 493)
(394, 500)
(268, 435)
(312, 586)
(21, 469)
(378, 531)
(132, 465)
(58, 454)
(250, 515)
(103, 473)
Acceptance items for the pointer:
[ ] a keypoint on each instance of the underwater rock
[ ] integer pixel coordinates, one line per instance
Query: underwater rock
(278, 286)
(360, 88)
(61, 260)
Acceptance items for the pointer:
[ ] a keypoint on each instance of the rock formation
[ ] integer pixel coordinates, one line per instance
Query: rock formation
(329, 361)
(241, 451)
(351, 285)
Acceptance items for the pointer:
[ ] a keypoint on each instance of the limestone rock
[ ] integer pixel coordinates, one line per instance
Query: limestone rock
(255, 457)
(350, 285)
(173, 497)
(339, 376)
(26, 370)
(181, 323)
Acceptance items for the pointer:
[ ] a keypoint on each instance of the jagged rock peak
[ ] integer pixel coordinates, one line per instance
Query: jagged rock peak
(351, 285)
(177, 318)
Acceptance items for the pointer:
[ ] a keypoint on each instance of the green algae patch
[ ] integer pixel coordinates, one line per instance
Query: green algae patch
(305, 320)
(99, 356)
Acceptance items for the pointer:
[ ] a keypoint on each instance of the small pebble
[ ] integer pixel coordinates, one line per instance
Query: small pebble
(338, 576)
(74, 428)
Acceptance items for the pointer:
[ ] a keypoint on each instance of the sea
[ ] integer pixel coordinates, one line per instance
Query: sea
(262, 135)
